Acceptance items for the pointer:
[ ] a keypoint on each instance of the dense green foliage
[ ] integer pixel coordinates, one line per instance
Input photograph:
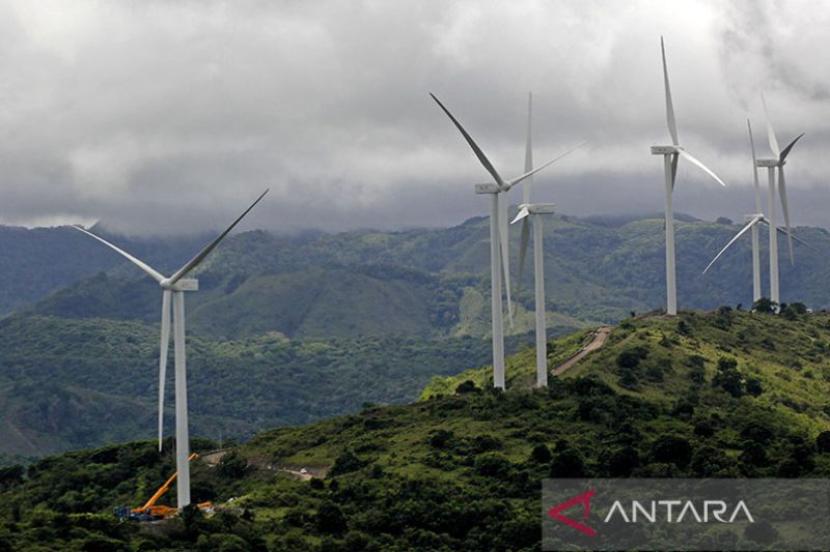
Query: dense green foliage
(461, 471)
(79, 383)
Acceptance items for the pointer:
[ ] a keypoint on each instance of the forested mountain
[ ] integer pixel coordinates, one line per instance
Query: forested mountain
(430, 283)
(723, 394)
(289, 329)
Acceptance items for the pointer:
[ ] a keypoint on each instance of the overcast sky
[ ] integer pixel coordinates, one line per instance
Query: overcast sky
(172, 115)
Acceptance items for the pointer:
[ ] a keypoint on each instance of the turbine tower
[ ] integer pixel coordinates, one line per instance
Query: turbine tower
(173, 288)
(498, 237)
(670, 157)
(528, 211)
(778, 161)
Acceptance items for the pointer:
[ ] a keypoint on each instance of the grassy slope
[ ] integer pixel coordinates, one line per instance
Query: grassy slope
(456, 472)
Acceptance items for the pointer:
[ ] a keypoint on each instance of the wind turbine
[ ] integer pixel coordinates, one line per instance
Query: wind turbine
(670, 158)
(752, 223)
(174, 288)
(771, 164)
(527, 211)
(498, 237)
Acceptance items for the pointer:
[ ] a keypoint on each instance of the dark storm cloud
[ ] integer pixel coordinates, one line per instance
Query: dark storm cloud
(170, 116)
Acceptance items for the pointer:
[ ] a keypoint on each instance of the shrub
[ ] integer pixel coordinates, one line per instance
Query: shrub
(567, 464)
(764, 305)
(347, 462)
(232, 466)
(754, 387)
(630, 358)
(467, 386)
(441, 438)
(492, 465)
(623, 461)
(728, 377)
(330, 519)
(672, 449)
(541, 453)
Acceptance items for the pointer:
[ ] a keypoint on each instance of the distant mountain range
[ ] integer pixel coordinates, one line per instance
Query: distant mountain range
(287, 329)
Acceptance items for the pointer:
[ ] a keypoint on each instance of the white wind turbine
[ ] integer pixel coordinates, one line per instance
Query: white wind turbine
(778, 161)
(528, 211)
(498, 237)
(174, 287)
(670, 157)
(752, 222)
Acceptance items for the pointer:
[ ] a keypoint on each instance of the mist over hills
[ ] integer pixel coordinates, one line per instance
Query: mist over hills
(424, 282)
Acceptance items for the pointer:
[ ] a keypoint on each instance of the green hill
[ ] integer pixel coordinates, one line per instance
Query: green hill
(39, 261)
(68, 384)
(716, 394)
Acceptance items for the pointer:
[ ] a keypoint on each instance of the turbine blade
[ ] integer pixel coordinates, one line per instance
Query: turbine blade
(165, 342)
(523, 212)
(504, 242)
(477, 150)
(523, 250)
(153, 273)
(528, 150)
(773, 141)
(194, 262)
(735, 238)
(765, 222)
(688, 157)
(786, 151)
(754, 169)
(518, 179)
(669, 105)
(674, 159)
(782, 192)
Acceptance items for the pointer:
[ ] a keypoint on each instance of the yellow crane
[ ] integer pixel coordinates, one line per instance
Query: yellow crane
(152, 511)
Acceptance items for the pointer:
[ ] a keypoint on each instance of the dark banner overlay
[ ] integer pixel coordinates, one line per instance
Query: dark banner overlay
(686, 514)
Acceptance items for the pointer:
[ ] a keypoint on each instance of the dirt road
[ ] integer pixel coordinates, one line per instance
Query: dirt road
(600, 335)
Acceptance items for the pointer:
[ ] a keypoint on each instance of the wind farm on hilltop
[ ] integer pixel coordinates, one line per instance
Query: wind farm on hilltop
(373, 360)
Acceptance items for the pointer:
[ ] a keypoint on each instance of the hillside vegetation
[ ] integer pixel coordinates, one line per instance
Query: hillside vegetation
(718, 394)
(68, 384)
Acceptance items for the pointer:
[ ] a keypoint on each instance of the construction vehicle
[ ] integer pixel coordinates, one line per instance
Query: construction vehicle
(154, 512)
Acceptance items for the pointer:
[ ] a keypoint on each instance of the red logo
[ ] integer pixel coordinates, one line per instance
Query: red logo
(585, 500)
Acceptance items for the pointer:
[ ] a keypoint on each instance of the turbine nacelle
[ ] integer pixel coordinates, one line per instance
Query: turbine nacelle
(526, 209)
(184, 284)
(487, 188)
(769, 162)
(665, 150)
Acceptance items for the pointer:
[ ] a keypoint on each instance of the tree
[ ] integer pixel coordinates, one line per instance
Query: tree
(540, 454)
(330, 519)
(567, 464)
(346, 462)
(754, 387)
(467, 386)
(623, 461)
(823, 441)
(764, 305)
(728, 377)
(672, 449)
